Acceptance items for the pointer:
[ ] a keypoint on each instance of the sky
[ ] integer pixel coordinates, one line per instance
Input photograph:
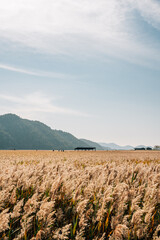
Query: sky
(91, 68)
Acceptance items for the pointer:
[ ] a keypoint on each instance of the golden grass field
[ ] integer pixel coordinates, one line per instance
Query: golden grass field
(80, 195)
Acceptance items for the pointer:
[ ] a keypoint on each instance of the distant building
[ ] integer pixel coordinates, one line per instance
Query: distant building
(85, 148)
(149, 148)
(139, 148)
(157, 147)
(142, 148)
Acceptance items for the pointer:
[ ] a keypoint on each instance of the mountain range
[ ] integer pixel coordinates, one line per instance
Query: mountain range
(18, 133)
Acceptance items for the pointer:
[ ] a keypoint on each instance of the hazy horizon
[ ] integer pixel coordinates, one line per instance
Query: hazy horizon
(88, 68)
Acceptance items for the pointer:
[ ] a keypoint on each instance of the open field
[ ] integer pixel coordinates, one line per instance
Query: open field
(80, 195)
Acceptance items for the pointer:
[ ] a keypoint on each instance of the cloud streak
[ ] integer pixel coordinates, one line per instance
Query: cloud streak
(36, 73)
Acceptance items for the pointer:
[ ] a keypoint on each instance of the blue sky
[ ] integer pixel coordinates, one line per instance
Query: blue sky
(91, 68)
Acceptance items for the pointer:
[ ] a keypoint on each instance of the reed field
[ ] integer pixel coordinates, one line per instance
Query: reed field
(80, 195)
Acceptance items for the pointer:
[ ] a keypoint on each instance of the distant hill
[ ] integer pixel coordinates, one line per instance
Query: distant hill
(93, 144)
(19, 133)
(114, 146)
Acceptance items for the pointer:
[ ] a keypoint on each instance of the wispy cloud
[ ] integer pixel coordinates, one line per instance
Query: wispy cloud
(36, 73)
(19, 70)
(35, 102)
(80, 27)
(149, 10)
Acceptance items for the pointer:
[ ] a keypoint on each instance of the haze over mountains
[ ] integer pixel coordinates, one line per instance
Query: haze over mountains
(116, 147)
(18, 133)
(93, 144)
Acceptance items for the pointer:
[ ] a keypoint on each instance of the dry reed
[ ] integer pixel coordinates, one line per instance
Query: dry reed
(79, 195)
